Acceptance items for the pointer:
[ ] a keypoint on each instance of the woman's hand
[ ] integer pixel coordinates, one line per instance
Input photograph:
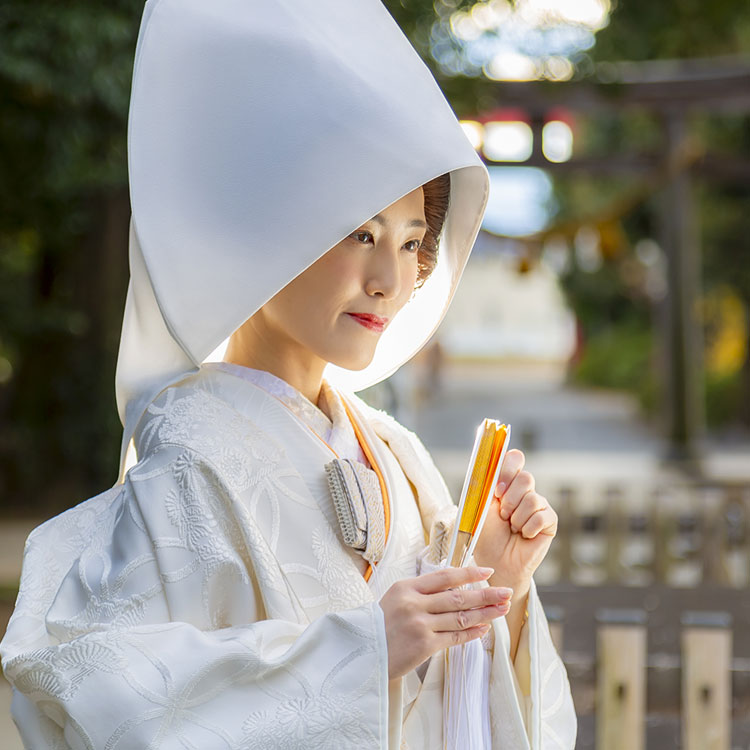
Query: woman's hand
(519, 528)
(428, 613)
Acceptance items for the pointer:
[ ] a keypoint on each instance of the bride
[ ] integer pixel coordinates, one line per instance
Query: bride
(266, 572)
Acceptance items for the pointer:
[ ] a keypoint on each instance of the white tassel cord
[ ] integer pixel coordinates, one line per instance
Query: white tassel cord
(466, 723)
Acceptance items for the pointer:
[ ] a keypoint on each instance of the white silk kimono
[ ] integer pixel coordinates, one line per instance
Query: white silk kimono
(209, 601)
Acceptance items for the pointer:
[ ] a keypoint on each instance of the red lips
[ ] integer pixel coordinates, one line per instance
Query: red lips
(372, 322)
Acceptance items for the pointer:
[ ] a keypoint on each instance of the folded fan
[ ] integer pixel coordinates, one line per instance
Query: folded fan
(484, 469)
(465, 688)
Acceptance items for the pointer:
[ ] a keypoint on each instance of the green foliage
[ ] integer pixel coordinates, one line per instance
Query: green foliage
(646, 30)
(616, 344)
(618, 357)
(642, 30)
(724, 394)
(65, 72)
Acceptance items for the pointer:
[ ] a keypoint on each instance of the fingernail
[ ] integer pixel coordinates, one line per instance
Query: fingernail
(504, 514)
(501, 487)
(505, 591)
(484, 628)
(486, 572)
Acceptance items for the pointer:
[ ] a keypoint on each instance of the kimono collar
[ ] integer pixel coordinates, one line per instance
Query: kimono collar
(330, 423)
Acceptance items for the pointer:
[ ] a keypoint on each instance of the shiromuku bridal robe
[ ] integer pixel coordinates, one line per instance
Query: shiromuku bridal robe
(207, 600)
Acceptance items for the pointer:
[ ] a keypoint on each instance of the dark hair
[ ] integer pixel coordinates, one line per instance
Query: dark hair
(436, 198)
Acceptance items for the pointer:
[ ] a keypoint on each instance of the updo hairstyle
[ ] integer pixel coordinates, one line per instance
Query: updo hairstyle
(436, 197)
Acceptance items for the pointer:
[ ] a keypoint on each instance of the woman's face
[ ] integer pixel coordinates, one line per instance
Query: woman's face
(337, 309)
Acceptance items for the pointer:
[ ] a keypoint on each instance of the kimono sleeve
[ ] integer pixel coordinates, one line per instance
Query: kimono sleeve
(531, 705)
(141, 626)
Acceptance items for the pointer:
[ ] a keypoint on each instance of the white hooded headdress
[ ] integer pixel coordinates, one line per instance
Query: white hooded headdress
(259, 136)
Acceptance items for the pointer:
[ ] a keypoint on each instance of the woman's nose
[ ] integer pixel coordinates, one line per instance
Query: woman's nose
(384, 273)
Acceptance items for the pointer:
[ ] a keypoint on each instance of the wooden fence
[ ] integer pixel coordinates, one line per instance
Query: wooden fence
(621, 680)
(672, 543)
(678, 534)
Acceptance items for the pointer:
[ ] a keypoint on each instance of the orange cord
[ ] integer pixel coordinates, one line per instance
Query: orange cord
(368, 453)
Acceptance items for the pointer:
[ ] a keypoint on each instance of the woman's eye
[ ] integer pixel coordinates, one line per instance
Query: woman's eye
(361, 236)
(413, 246)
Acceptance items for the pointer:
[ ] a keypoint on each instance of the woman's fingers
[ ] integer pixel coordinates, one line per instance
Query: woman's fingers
(531, 503)
(410, 627)
(463, 609)
(467, 618)
(522, 485)
(543, 521)
(462, 599)
(427, 613)
(527, 511)
(512, 463)
(450, 578)
(457, 637)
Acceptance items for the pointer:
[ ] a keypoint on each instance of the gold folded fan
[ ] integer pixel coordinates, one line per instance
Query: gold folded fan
(481, 477)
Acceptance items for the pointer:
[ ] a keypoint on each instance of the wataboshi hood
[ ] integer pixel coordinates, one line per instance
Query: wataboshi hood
(259, 136)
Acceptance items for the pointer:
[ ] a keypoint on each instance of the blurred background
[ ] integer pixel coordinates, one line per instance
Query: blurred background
(605, 314)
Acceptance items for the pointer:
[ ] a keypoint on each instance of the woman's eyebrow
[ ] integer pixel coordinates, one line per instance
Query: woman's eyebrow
(413, 223)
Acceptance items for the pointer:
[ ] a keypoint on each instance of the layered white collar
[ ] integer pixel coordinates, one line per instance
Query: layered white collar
(328, 420)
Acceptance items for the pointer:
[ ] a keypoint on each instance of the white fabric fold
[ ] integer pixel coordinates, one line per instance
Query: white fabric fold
(119, 659)
(208, 598)
(466, 698)
(466, 710)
